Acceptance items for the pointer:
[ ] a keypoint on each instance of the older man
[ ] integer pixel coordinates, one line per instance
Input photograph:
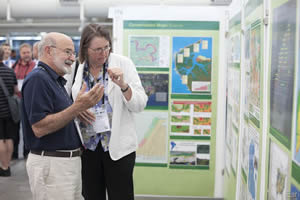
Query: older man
(48, 112)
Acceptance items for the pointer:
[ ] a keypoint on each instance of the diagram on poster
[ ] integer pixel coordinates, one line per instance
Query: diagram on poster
(278, 173)
(191, 65)
(191, 118)
(156, 87)
(253, 155)
(189, 153)
(152, 137)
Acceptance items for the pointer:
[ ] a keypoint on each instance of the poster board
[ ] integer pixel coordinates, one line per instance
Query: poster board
(183, 55)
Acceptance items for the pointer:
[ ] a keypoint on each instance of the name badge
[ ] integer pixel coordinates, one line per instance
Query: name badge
(101, 124)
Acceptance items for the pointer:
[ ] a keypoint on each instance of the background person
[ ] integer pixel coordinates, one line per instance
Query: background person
(54, 164)
(22, 67)
(111, 142)
(7, 59)
(35, 52)
(8, 129)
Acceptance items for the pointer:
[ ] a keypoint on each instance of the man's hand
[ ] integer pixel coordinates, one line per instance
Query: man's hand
(85, 100)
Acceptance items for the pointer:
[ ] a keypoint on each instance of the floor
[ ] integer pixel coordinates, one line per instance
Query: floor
(17, 187)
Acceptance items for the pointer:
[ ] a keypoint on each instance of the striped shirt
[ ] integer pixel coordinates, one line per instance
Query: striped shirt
(9, 78)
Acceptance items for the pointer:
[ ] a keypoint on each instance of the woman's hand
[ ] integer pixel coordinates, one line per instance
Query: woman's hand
(117, 76)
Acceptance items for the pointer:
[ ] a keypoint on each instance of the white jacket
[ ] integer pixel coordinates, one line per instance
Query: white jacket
(123, 139)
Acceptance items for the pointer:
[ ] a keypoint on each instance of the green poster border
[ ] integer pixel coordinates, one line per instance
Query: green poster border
(244, 175)
(182, 137)
(232, 170)
(156, 108)
(188, 167)
(277, 134)
(296, 172)
(174, 25)
(138, 164)
(151, 69)
(236, 65)
(255, 121)
(191, 96)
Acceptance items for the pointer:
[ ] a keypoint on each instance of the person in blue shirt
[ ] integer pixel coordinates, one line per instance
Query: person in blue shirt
(50, 133)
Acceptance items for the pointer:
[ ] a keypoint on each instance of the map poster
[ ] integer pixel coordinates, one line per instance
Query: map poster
(157, 89)
(253, 155)
(152, 135)
(278, 173)
(149, 51)
(282, 71)
(189, 153)
(191, 118)
(191, 65)
(255, 73)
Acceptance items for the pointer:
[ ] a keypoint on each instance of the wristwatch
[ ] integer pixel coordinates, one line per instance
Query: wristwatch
(125, 89)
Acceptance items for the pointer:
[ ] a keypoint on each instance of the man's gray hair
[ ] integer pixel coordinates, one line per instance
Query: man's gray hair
(46, 41)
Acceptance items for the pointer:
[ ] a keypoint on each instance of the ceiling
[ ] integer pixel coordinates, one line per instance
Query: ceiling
(68, 15)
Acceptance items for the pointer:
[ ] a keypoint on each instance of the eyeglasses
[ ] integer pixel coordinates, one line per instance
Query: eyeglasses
(66, 51)
(101, 50)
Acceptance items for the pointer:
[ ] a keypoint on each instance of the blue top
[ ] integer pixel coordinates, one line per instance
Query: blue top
(43, 93)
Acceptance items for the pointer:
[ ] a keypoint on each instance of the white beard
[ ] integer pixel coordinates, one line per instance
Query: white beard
(63, 66)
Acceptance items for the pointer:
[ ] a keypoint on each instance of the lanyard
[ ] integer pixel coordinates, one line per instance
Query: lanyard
(91, 84)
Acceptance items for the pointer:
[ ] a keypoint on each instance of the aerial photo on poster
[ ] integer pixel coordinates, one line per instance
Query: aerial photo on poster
(189, 153)
(156, 87)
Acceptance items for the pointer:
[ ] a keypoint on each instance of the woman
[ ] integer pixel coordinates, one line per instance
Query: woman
(108, 128)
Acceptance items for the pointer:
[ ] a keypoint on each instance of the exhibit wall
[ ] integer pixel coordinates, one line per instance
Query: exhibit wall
(268, 139)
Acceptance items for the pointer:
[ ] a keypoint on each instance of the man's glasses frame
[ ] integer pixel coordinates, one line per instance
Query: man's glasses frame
(69, 52)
